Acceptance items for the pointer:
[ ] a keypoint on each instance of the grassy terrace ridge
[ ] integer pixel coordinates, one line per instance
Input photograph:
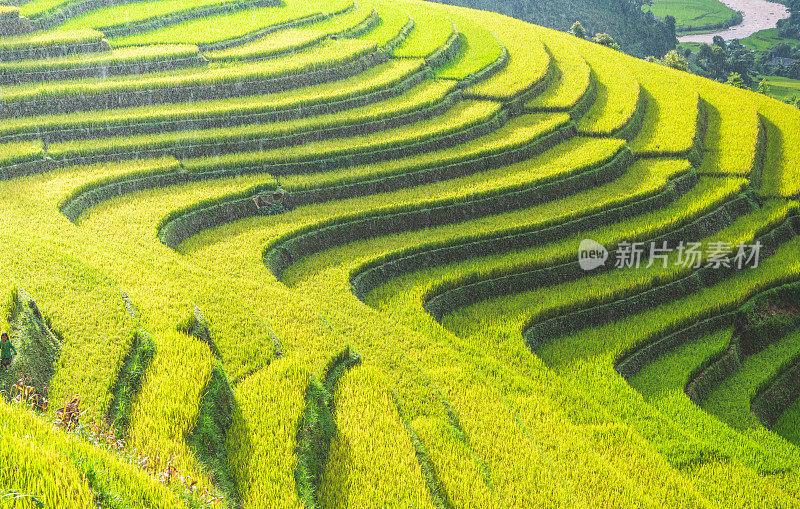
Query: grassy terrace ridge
(226, 27)
(174, 115)
(328, 55)
(312, 254)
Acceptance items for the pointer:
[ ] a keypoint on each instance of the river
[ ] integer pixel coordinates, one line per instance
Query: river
(757, 14)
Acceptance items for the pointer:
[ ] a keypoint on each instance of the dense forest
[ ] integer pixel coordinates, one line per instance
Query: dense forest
(637, 32)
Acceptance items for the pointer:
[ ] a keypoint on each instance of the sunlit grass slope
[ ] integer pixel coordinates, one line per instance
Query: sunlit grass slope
(303, 255)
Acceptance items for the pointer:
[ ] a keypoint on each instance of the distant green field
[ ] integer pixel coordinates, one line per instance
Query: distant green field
(783, 88)
(695, 15)
(765, 39)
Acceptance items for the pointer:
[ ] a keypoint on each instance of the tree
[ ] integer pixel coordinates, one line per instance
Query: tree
(577, 30)
(675, 60)
(735, 80)
(671, 24)
(763, 87)
(606, 40)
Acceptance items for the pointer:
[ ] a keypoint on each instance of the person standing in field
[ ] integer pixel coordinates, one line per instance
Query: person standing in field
(7, 351)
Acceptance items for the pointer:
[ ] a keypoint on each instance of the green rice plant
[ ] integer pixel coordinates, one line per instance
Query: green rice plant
(674, 121)
(518, 244)
(33, 477)
(480, 53)
(780, 175)
(394, 26)
(129, 381)
(528, 61)
(556, 165)
(411, 138)
(17, 153)
(406, 108)
(636, 289)
(732, 137)
(284, 41)
(381, 81)
(517, 133)
(574, 77)
(432, 30)
(118, 56)
(581, 289)
(229, 27)
(263, 458)
(129, 13)
(40, 40)
(326, 56)
(619, 94)
(672, 371)
(492, 192)
(371, 450)
(317, 426)
(731, 400)
(786, 425)
(724, 296)
(360, 18)
(167, 398)
(122, 61)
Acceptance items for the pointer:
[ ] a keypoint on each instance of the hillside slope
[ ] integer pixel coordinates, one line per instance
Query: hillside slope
(328, 256)
(636, 31)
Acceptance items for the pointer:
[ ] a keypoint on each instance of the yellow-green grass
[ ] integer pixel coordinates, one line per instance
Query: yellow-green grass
(781, 174)
(688, 436)
(671, 372)
(42, 461)
(18, 152)
(128, 56)
(673, 114)
(57, 37)
(392, 21)
(461, 116)
(426, 94)
(516, 133)
(283, 41)
(730, 400)
(528, 61)
(327, 55)
(573, 80)
(621, 335)
(570, 157)
(345, 21)
(130, 13)
(479, 47)
(618, 93)
(371, 459)
(732, 137)
(786, 425)
(535, 305)
(263, 457)
(225, 27)
(373, 79)
(432, 29)
(641, 180)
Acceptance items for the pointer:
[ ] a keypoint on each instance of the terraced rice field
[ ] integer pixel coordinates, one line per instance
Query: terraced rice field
(328, 256)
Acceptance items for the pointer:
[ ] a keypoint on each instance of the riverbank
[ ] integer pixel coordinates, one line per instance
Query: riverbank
(757, 15)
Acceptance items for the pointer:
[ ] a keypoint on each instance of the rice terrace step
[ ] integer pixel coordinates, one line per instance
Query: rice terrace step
(293, 253)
